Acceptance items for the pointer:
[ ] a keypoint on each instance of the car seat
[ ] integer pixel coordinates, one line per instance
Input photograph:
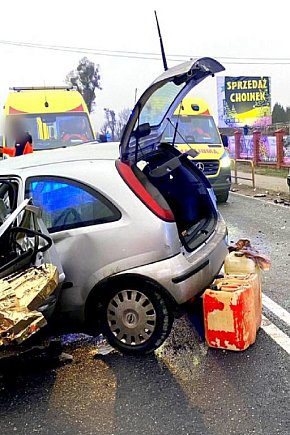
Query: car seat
(4, 211)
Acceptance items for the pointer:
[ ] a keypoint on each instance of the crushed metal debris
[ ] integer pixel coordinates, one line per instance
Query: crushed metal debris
(21, 294)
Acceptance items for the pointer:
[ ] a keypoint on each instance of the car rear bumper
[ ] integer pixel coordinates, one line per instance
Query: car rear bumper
(187, 274)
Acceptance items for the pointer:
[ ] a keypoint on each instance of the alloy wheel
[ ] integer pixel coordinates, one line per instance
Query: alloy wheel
(131, 317)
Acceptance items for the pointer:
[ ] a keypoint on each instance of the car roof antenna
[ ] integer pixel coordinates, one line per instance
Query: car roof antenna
(165, 69)
(161, 44)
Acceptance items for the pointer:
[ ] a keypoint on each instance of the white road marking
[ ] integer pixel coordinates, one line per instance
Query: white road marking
(276, 334)
(276, 309)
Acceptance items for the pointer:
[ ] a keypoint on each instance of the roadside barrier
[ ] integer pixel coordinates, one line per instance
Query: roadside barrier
(236, 176)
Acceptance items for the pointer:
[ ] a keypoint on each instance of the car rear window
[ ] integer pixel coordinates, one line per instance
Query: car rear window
(69, 204)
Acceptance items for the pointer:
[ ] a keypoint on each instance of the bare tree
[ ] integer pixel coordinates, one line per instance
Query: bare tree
(113, 125)
(122, 120)
(86, 78)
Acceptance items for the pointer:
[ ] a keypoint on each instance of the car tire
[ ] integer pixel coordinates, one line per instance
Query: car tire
(222, 197)
(135, 318)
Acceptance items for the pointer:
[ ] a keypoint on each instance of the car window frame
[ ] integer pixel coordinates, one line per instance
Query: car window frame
(88, 189)
(14, 182)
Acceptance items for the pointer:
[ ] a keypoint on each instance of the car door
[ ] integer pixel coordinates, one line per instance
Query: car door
(78, 219)
(24, 239)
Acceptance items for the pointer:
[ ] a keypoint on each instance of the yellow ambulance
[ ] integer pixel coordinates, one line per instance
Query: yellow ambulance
(54, 116)
(192, 126)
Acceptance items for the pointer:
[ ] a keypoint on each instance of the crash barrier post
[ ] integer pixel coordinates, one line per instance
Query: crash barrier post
(280, 147)
(252, 179)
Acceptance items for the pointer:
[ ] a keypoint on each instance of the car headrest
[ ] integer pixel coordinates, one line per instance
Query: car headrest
(3, 211)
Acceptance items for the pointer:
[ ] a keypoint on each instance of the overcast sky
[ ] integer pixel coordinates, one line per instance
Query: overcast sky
(218, 28)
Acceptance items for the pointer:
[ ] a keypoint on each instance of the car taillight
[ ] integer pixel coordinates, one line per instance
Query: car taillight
(132, 181)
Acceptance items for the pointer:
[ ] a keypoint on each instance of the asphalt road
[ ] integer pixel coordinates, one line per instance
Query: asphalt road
(186, 388)
(267, 225)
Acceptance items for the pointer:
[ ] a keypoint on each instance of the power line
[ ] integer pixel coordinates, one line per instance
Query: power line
(100, 52)
(147, 55)
(76, 50)
(81, 49)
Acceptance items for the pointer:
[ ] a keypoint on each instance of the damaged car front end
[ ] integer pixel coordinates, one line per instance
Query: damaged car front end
(30, 271)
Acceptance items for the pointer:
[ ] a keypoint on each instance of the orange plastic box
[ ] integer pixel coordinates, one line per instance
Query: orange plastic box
(232, 314)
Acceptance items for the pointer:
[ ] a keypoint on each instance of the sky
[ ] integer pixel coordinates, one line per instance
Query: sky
(249, 38)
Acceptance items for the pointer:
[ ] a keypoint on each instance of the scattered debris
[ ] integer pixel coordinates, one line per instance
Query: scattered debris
(104, 349)
(65, 357)
(268, 195)
(29, 356)
(243, 247)
(75, 339)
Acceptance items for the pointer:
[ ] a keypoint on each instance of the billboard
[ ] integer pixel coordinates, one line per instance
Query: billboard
(244, 101)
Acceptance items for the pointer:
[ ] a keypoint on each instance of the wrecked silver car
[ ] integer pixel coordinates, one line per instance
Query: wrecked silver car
(135, 226)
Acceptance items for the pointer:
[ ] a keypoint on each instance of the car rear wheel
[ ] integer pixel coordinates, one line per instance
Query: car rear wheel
(135, 320)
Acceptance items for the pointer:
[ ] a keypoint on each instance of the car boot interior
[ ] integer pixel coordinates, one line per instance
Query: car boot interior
(179, 187)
